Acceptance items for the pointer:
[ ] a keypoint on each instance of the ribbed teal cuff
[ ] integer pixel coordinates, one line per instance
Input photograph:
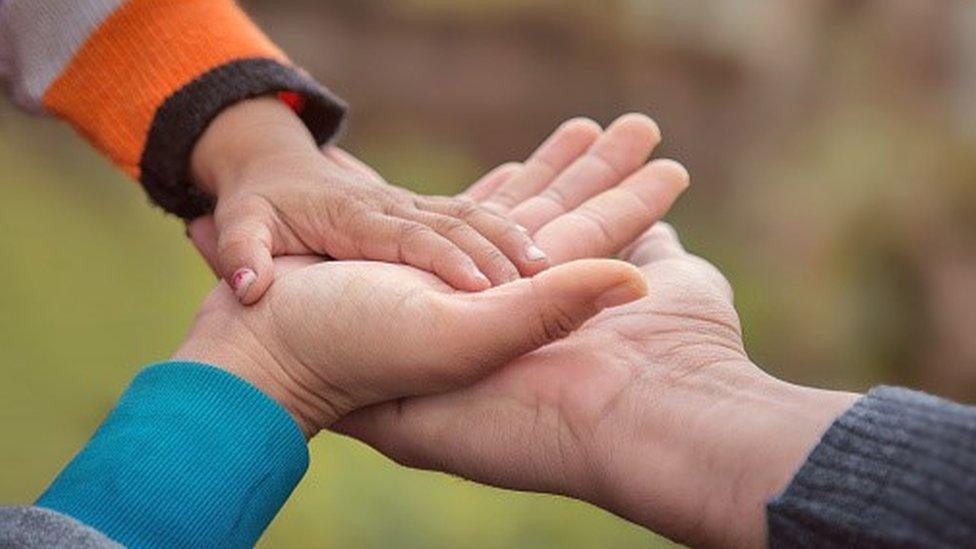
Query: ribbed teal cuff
(191, 456)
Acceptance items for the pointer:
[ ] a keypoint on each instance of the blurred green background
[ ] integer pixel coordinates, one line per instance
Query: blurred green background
(832, 147)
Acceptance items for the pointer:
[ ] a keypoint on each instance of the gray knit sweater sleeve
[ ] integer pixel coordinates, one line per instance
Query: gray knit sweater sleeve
(36, 527)
(896, 470)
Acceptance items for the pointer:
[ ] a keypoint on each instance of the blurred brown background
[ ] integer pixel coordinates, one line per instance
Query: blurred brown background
(832, 147)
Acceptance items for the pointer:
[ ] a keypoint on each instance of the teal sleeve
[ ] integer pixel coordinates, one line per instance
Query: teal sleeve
(191, 456)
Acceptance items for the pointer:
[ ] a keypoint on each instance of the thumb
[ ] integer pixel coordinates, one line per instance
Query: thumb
(244, 245)
(508, 321)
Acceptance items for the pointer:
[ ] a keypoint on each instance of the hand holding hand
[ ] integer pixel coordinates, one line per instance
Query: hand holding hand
(337, 336)
(651, 410)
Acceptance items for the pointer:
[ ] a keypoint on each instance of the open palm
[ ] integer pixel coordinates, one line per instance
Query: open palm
(531, 424)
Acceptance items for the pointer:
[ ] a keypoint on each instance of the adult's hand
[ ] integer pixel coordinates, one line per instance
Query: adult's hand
(651, 410)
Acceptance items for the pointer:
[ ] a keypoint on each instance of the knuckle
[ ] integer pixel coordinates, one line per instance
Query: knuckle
(452, 226)
(464, 201)
(233, 239)
(599, 221)
(555, 323)
(555, 195)
(467, 209)
(412, 231)
(343, 212)
(499, 261)
(505, 197)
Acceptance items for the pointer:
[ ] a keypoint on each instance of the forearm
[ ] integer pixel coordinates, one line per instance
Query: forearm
(191, 455)
(700, 455)
(142, 79)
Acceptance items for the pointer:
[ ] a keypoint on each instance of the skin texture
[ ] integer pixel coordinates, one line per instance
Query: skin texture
(306, 343)
(394, 331)
(277, 195)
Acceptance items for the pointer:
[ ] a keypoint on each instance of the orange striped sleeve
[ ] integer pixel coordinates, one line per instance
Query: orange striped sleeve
(146, 82)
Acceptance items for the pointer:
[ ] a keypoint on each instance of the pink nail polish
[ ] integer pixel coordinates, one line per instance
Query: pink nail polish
(242, 280)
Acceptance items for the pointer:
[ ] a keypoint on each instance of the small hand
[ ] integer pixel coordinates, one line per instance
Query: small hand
(277, 195)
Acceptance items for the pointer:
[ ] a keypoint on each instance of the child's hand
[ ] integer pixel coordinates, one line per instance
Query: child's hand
(277, 194)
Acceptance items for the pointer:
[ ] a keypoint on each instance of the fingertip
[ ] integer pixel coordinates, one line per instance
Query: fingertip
(634, 287)
(476, 281)
(250, 286)
(673, 172)
(467, 278)
(242, 279)
(534, 260)
(595, 275)
(638, 127)
(571, 139)
(581, 128)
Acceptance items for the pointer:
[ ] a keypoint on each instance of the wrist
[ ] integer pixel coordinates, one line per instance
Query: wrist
(700, 456)
(225, 343)
(248, 131)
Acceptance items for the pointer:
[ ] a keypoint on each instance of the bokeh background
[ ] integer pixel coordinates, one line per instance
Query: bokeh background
(832, 146)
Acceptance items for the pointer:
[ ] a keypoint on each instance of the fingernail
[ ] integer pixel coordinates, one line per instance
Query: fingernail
(621, 294)
(482, 279)
(534, 253)
(242, 280)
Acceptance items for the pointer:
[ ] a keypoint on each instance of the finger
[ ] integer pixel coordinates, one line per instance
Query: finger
(564, 146)
(623, 148)
(503, 323)
(489, 182)
(203, 234)
(508, 237)
(605, 224)
(398, 240)
(659, 242)
(490, 260)
(244, 248)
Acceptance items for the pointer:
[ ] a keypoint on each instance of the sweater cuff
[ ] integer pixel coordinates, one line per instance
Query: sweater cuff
(183, 117)
(36, 528)
(190, 456)
(897, 469)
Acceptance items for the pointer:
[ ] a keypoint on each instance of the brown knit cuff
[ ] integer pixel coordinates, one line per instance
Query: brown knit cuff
(179, 122)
